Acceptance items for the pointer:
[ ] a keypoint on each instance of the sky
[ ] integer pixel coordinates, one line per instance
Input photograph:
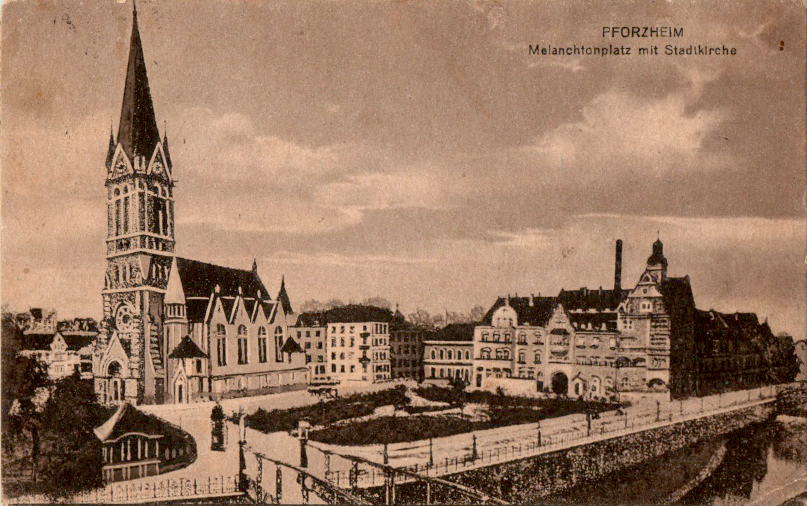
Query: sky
(417, 151)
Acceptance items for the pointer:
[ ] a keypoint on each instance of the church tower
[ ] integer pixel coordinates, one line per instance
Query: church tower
(128, 363)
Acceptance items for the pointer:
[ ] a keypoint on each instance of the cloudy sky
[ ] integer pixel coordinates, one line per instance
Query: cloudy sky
(418, 151)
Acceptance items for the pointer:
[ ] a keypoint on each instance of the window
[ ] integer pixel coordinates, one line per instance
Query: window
(262, 344)
(221, 344)
(467, 355)
(441, 354)
(485, 353)
(450, 355)
(434, 354)
(522, 358)
(537, 357)
(243, 352)
(333, 367)
(278, 343)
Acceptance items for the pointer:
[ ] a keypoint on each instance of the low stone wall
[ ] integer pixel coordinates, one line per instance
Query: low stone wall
(529, 480)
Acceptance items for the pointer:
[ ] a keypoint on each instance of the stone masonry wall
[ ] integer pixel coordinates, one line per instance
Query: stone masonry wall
(530, 479)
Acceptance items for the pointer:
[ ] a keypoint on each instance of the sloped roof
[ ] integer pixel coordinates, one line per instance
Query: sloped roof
(36, 341)
(585, 299)
(460, 332)
(128, 420)
(291, 346)
(311, 319)
(187, 349)
(353, 313)
(75, 342)
(196, 309)
(283, 297)
(538, 313)
(137, 129)
(199, 279)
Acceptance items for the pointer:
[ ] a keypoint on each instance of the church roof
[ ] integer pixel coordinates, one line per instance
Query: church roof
(187, 349)
(283, 297)
(199, 279)
(137, 129)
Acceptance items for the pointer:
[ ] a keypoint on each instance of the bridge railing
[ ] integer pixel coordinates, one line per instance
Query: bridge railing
(610, 423)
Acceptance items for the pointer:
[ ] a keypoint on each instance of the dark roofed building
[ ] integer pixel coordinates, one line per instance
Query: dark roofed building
(353, 313)
(448, 353)
(153, 299)
(200, 279)
(531, 310)
(646, 340)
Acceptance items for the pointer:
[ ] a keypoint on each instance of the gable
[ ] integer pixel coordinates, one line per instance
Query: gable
(121, 166)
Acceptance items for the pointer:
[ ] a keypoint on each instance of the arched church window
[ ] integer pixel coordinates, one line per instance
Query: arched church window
(278, 343)
(243, 351)
(262, 344)
(221, 344)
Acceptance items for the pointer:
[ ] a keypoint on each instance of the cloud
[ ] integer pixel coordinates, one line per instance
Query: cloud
(622, 132)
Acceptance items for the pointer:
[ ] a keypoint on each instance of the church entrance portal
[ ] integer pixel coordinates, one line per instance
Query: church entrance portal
(560, 383)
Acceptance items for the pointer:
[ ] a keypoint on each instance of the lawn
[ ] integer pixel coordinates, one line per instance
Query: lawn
(324, 413)
(412, 428)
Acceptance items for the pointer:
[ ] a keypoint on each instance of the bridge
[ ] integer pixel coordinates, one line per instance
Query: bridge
(281, 468)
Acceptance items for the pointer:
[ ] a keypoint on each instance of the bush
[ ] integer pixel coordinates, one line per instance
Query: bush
(325, 413)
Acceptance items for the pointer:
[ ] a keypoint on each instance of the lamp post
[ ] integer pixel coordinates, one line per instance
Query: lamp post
(474, 454)
(431, 453)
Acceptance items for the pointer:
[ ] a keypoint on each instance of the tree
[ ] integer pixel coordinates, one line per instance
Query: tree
(24, 389)
(421, 318)
(476, 314)
(73, 454)
(378, 302)
(458, 385)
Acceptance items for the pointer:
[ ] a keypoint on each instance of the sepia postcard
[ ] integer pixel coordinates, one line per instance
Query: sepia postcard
(404, 252)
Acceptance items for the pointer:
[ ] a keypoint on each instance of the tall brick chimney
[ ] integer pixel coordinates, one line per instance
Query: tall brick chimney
(618, 266)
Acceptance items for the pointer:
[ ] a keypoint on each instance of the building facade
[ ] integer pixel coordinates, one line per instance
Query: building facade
(406, 348)
(448, 353)
(604, 343)
(152, 299)
(311, 332)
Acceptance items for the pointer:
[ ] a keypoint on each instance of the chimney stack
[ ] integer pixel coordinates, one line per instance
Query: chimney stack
(618, 266)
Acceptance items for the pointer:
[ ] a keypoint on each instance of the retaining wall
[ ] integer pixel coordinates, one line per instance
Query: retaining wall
(530, 479)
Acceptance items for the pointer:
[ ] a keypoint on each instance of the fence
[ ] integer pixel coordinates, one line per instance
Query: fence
(532, 439)
(152, 490)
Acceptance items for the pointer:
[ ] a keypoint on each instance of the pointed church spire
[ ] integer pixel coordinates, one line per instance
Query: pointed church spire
(137, 130)
(283, 297)
(110, 154)
(254, 265)
(165, 145)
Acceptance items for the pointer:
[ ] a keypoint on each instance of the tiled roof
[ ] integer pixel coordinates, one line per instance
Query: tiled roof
(76, 342)
(199, 279)
(311, 319)
(358, 313)
(585, 299)
(187, 349)
(536, 312)
(454, 332)
(37, 341)
(196, 309)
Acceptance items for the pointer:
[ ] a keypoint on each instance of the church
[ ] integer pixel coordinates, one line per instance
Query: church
(176, 330)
